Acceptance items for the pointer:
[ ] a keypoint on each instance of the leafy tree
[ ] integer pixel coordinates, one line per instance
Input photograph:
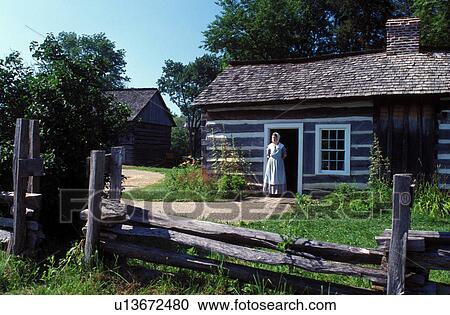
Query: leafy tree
(268, 29)
(180, 137)
(183, 82)
(100, 51)
(66, 94)
(14, 99)
(359, 25)
(264, 29)
(435, 21)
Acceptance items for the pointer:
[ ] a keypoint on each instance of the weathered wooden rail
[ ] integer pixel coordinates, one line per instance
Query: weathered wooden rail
(133, 232)
(21, 234)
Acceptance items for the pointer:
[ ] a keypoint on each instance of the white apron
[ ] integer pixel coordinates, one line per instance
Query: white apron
(275, 175)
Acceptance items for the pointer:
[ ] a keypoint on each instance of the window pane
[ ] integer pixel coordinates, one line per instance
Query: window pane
(332, 149)
(333, 155)
(333, 165)
(332, 134)
(333, 144)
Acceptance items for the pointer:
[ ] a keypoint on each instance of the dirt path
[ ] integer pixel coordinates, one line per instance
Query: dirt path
(140, 178)
(229, 211)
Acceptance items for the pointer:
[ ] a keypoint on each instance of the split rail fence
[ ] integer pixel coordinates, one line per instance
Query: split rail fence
(400, 265)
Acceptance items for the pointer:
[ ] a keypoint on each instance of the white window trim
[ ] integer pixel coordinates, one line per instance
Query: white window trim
(347, 129)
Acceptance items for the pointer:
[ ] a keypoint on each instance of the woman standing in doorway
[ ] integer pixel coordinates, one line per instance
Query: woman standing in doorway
(275, 175)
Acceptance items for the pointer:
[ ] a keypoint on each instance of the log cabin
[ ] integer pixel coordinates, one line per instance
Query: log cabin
(148, 136)
(328, 110)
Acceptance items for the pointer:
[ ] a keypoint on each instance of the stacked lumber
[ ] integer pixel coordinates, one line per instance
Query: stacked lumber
(426, 251)
(136, 233)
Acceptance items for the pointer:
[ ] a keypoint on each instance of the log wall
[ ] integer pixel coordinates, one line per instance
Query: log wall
(146, 143)
(245, 125)
(443, 145)
(406, 127)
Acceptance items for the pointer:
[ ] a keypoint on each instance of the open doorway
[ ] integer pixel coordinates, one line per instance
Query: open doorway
(290, 139)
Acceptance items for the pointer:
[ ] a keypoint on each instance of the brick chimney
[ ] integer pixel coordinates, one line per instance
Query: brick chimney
(403, 36)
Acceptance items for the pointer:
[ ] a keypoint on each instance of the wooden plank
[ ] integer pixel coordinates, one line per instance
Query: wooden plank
(31, 167)
(234, 271)
(307, 262)
(107, 164)
(21, 148)
(35, 152)
(116, 173)
(5, 236)
(112, 212)
(431, 260)
(8, 223)
(96, 185)
(401, 215)
(431, 237)
(414, 243)
(31, 198)
(238, 235)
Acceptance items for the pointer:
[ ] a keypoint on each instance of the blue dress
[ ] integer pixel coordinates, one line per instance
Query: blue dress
(275, 175)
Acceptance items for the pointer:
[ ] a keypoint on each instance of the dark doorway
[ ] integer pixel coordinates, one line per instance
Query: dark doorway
(289, 137)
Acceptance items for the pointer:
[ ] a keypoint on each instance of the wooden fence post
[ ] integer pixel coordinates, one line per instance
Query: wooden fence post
(35, 152)
(116, 173)
(96, 184)
(21, 150)
(401, 216)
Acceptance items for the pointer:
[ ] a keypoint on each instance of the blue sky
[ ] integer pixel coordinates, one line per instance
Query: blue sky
(150, 31)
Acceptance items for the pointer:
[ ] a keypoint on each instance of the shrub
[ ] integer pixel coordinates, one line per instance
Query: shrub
(187, 177)
(228, 159)
(380, 167)
(345, 201)
(430, 200)
(231, 185)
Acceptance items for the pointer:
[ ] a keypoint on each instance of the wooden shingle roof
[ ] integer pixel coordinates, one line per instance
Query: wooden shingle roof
(361, 75)
(135, 98)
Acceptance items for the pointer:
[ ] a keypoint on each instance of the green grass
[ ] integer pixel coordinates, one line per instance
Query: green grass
(68, 276)
(163, 191)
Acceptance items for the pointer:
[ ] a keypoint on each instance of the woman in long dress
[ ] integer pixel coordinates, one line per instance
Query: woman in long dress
(275, 175)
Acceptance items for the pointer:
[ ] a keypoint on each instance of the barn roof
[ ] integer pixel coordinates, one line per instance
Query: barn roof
(135, 98)
(354, 75)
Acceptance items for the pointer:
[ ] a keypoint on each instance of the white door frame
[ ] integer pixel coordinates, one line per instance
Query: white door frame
(280, 125)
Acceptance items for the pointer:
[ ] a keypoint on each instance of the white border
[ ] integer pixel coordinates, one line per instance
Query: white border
(347, 129)
(299, 127)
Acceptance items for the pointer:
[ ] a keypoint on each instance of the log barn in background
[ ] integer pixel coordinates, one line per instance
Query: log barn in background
(328, 109)
(147, 141)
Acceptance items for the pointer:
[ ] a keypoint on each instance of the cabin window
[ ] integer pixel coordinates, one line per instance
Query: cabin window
(333, 149)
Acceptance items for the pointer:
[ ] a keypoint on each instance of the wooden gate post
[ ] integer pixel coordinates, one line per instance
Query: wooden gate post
(21, 148)
(116, 173)
(35, 152)
(401, 220)
(96, 184)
